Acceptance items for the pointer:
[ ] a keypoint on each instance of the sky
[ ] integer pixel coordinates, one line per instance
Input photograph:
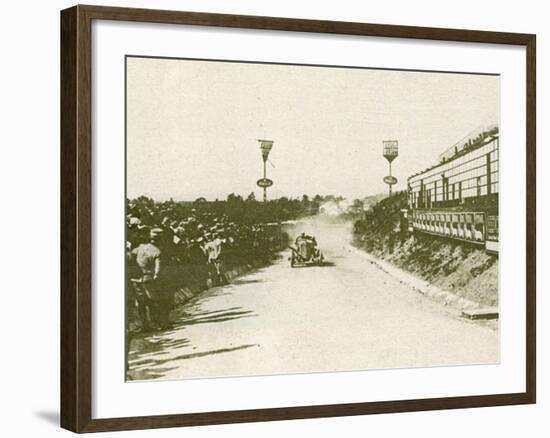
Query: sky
(193, 126)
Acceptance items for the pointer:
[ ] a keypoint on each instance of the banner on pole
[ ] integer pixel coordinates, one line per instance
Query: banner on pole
(265, 146)
(390, 149)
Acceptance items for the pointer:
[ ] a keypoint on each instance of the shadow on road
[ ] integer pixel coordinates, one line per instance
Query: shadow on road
(216, 317)
(150, 356)
(238, 282)
(323, 265)
(154, 369)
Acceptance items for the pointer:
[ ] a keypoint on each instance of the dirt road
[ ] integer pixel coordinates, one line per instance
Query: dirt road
(346, 316)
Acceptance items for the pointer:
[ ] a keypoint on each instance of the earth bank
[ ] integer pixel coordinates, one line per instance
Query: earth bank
(458, 267)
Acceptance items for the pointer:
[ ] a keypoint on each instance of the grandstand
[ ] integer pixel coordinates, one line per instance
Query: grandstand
(458, 197)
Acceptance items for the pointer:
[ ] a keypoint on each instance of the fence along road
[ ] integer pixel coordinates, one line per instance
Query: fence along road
(346, 316)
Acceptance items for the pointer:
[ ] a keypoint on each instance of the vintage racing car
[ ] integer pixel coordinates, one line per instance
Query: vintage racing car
(305, 252)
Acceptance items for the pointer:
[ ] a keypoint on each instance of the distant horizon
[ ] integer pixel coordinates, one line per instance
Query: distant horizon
(244, 196)
(193, 126)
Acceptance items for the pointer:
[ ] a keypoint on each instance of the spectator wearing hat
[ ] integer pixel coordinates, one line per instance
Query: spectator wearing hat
(147, 258)
(214, 253)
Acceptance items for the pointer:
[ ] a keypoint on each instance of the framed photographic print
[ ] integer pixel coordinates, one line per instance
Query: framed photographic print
(272, 218)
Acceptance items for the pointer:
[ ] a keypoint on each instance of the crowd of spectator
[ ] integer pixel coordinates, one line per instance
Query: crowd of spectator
(173, 245)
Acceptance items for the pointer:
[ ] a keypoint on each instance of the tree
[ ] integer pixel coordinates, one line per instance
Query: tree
(232, 197)
(251, 197)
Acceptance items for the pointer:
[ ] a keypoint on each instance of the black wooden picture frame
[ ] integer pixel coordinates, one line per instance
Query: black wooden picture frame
(76, 218)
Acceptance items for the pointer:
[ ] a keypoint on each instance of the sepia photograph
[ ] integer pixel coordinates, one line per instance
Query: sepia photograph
(292, 218)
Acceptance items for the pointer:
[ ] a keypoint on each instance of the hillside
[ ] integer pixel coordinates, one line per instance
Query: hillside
(464, 269)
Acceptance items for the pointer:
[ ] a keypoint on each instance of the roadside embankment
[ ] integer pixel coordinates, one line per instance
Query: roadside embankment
(457, 268)
(185, 293)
